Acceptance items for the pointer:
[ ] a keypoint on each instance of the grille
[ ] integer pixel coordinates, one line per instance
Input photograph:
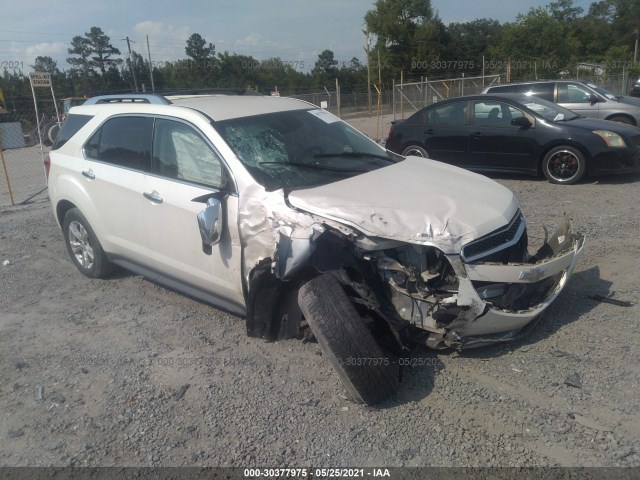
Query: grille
(496, 241)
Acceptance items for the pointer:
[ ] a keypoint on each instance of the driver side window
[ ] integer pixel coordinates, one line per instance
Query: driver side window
(573, 93)
(180, 152)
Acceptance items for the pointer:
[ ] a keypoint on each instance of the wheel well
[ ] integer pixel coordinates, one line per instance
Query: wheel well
(585, 154)
(62, 208)
(623, 115)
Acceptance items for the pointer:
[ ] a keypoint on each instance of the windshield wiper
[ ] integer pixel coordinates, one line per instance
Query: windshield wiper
(313, 166)
(354, 155)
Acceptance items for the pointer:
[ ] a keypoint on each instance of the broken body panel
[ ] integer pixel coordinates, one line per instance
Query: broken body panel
(458, 276)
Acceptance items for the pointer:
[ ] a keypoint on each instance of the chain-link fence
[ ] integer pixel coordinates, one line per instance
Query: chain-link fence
(408, 98)
(352, 104)
(616, 84)
(22, 171)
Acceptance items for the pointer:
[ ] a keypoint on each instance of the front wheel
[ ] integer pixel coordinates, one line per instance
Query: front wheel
(415, 150)
(564, 165)
(621, 119)
(365, 371)
(83, 246)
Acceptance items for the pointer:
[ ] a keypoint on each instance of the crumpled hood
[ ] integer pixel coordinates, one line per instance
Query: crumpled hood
(417, 201)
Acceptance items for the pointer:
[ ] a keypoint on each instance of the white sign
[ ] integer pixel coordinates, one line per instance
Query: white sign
(39, 79)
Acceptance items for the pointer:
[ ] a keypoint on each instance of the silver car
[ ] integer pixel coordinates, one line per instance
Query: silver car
(584, 98)
(280, 212)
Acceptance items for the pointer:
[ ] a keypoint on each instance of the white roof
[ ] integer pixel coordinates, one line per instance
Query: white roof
(217, 107)
(223, 107)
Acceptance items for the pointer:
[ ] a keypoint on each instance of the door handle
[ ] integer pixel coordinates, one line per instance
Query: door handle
(89, 174)
(431, 131)
(153, 196)
(478, 134)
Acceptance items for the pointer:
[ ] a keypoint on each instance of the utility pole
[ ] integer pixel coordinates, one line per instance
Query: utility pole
(133, 73)
(367, 48)
(153, 87)
(635, 50)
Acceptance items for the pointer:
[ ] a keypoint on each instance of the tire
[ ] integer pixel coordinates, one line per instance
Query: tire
(415, 150)
(83, 246)
(564, 165)
(364, 370)
(621, 119)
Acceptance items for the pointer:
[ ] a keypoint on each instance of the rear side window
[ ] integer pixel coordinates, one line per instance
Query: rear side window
(504, 89)
(123, 141)
(540, 90)
(70, 127)
(449, 114)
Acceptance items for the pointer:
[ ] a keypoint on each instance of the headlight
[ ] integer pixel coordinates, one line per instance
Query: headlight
(612, 139)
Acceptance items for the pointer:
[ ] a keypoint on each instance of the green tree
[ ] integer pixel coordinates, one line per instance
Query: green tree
(406, 31)
(197, 48)
(101, 50)
(45, 64)
(536, 41)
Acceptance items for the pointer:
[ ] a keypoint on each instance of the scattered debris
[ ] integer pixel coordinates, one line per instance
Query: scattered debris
(15, 434)
(573, 380)
(40, 392)
(612, 301)
(58, 398)
(5, 263)
(588, 422)
(20, 365)
(180, 393)
(84, 370)
(558, 353)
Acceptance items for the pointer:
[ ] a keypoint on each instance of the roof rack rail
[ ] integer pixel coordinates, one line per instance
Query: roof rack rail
(129, 98)
(211, 91)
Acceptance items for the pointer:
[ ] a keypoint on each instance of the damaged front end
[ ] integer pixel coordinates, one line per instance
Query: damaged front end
(485, 295)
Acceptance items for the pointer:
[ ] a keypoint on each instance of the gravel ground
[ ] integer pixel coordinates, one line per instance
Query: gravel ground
(124, 372)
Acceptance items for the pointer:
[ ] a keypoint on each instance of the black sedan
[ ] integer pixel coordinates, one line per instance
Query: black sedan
(517, 134)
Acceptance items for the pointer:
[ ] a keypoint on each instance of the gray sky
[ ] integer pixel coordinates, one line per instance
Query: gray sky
(294, 30)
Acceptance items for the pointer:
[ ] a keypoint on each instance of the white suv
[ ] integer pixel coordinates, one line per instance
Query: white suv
(277, 210)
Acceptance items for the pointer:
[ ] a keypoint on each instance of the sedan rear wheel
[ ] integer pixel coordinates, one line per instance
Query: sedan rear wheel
(564, 165)
(415, 150)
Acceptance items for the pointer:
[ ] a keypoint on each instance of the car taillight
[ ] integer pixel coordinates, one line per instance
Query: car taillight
(47, 166)
(390, 134)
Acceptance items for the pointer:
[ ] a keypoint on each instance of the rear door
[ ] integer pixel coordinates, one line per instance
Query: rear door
(117, 158)
(445, 133)
(495, 144)
(187, 167)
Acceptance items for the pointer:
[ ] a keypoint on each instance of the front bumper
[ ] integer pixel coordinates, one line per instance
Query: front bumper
(490, 320)
(615, 162)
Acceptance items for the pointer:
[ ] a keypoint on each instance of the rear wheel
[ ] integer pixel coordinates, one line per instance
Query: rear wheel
(83, 246)
(416, 151)
(363, 368)
(564, 165)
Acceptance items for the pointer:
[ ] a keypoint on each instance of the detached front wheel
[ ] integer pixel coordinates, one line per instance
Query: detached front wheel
(564, 165)
(364, 370)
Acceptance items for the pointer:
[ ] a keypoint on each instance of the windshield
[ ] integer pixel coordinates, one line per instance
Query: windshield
(602, 91)
(301, 148)
(548, 110)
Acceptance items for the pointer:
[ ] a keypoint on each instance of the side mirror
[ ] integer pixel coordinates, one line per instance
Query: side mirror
(210, 223)
(521, 122)
(593, 98)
